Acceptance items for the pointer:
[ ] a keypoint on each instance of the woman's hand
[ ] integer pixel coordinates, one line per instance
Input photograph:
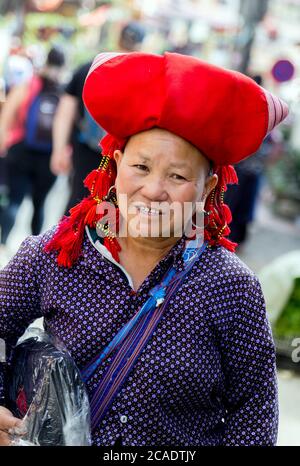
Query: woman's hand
(8, 423)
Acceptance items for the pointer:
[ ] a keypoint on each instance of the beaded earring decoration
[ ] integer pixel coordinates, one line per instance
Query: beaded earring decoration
(109, 228)
(216, 224)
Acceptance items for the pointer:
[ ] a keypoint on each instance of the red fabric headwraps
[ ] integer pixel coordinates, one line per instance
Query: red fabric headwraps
(225, 114)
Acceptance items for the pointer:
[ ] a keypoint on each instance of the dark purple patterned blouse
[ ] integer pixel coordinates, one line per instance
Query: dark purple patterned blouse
(206, 377)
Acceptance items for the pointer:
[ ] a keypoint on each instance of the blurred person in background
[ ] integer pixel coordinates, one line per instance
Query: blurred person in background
(18, 69)
(3, 181)
(26, 141)
(73, 124)
(242, 198)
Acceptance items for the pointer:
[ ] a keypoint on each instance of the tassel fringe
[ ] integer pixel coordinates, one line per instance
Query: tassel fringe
(67, 240)
(216, 227)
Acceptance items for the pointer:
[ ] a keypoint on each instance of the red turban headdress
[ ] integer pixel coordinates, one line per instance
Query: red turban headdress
(223, 113)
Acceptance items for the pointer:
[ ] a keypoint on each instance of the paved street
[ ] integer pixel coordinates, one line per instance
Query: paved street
(289, 406)
(269, 238)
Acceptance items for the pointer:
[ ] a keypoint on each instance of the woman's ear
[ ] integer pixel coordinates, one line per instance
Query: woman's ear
(210, 183)
(118, 155)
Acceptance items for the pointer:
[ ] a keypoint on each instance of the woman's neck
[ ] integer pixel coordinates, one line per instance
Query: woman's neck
(139, 256)
(147, 249)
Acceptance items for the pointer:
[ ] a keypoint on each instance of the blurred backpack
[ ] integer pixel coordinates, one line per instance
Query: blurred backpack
(43, 101)
(90, 133)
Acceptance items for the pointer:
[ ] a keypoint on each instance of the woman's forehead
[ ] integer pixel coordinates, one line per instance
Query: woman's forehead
(157, 136)
(156, 142)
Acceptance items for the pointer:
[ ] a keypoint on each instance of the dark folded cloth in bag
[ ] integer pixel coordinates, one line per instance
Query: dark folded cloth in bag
(46, 390)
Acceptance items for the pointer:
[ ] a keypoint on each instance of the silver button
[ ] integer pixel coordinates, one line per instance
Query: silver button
(123, 419)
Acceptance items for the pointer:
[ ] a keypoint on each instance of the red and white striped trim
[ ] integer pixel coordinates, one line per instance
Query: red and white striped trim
(278, 110)
(103, 58)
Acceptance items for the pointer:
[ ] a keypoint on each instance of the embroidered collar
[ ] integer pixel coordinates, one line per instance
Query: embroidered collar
(175, 255)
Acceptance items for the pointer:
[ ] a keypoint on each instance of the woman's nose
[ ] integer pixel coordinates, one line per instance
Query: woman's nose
(154, 189)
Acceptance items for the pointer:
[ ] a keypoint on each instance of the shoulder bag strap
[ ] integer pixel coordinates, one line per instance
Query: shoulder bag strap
(130, 341)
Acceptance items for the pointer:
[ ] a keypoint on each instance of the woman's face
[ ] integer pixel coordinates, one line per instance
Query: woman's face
(160, 176)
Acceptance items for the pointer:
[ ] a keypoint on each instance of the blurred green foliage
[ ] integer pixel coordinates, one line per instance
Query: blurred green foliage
(288, 324)
(37, 23)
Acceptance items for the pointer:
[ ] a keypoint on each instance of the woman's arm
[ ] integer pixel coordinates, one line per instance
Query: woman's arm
(249, 364)
(19, 295)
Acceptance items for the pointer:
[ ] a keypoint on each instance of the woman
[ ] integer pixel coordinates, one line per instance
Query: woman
(194, 363)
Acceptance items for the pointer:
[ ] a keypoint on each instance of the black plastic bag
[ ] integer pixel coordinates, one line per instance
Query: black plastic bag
(46, 390)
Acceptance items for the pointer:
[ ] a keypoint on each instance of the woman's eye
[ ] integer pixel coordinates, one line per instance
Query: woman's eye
(141, 167)
(178, 177)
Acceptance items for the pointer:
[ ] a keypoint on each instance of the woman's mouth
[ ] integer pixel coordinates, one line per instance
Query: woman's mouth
(149, 211)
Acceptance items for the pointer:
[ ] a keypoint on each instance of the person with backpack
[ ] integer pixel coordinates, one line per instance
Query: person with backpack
(75, 137)
(74, 125)
(26, 140)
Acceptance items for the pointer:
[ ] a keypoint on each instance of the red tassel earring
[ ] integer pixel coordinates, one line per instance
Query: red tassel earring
(68, 238)
(97, 182)
(216, 227)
